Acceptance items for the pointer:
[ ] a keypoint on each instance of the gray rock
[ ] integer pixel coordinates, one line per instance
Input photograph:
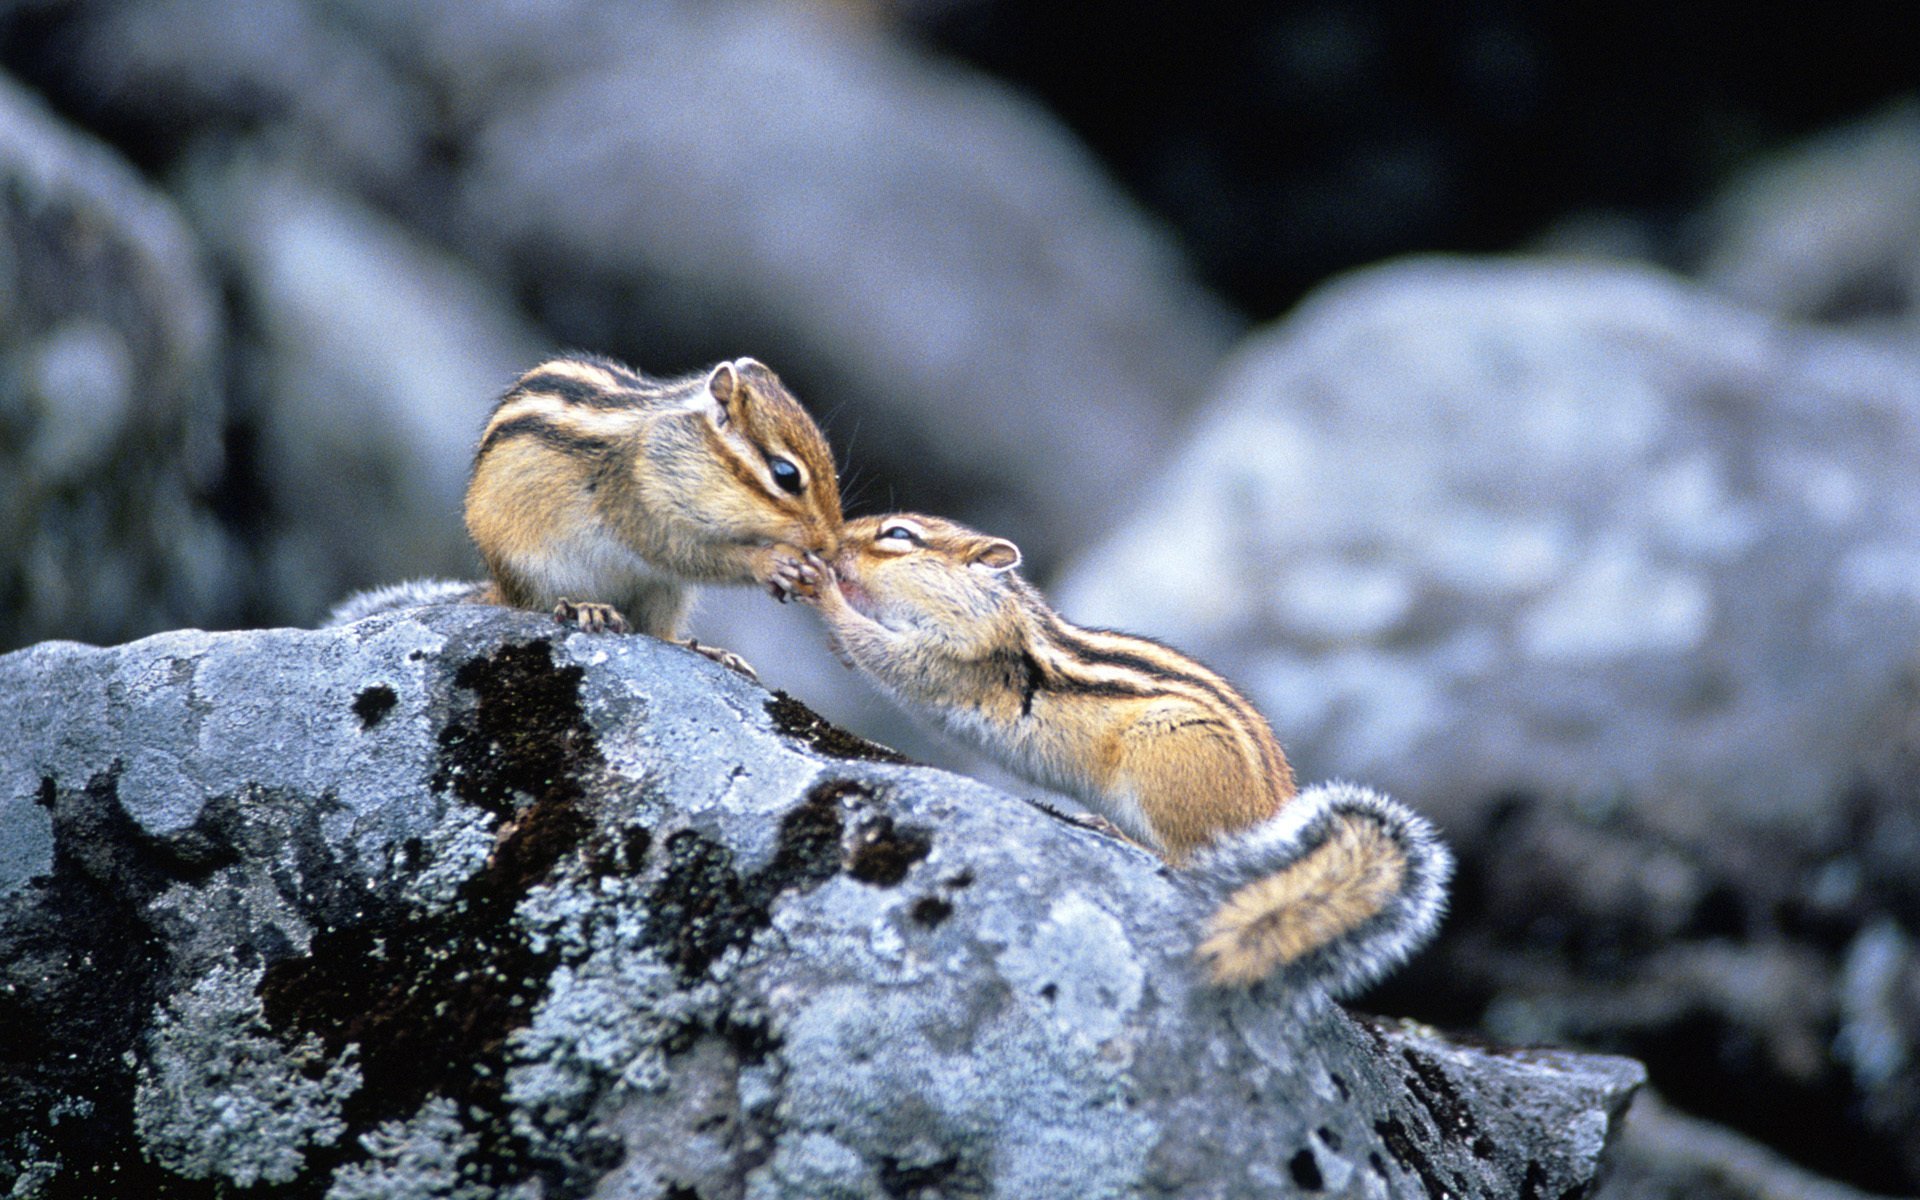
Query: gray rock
(373, 362)
(109, 397)
(1827, 229)
(445, 904)
(1576, 530)
(946, 257)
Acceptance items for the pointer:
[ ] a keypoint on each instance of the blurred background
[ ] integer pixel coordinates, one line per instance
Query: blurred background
(1522, 402)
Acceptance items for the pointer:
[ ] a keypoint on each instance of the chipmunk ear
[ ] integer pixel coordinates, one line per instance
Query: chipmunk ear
(727, 390)
(996, 555)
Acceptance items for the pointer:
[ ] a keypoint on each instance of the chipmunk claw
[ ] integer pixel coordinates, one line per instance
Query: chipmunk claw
(725, 658)
(796, 579)
(589, 617)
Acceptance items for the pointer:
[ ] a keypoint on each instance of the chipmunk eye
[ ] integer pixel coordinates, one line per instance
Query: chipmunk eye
(784, 473)
(898, 533)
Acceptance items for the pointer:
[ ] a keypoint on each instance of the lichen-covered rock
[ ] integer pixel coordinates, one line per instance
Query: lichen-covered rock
(446, 904)
(109, 397)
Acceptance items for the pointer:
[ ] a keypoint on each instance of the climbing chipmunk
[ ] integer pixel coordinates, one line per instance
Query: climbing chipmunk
(598, 494)
(1332, 887)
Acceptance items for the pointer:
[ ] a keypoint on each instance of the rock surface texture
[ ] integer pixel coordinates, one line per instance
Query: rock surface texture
(446, 904)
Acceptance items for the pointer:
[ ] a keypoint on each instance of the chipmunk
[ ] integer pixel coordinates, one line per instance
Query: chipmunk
(1334, 886)
(598, 494)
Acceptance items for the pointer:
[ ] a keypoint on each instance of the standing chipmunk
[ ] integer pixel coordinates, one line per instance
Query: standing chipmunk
(598, 494)
(1332, 887)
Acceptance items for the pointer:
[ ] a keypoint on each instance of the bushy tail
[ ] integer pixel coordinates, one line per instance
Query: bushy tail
(410, 594)
(1335, 891)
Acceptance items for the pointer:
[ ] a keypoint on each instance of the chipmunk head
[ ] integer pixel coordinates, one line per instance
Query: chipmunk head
(777, 478)
(911, 571)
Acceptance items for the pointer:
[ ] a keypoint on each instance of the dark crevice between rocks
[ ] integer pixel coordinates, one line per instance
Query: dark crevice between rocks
(797, 721)
(1704, 1063)
(106, 966)
(432, 999)
(1707, 1060)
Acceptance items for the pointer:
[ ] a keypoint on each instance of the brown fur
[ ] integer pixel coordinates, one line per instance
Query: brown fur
(596, 485)
(1325, 895)
(1157, 743)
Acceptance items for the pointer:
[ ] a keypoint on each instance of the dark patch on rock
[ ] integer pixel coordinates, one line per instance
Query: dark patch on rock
(522, 752)
(701, 905)
(930, 911)
(1328, 1138)
(1305, 1170)
(1429, 1084)
(751, 1040)
(883, 853)
(798, 721)
(373, 704)
(1408, 1154)
(623, 854)
(911, 1183)
(527, 732)
(808, 851)
(105, 965)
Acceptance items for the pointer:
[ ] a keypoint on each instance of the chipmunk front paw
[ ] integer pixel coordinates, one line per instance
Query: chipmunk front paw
(725, 658)
(794, 578)
(593, 618)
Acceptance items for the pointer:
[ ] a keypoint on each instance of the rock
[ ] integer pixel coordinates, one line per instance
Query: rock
(1827, 229)
(1667, 1155)
(373, 361)
(929, 248)
(447, 904)
(1615, 580)
(109, 395)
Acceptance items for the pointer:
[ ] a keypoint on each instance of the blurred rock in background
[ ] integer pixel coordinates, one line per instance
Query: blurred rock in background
(1612, 572)
(1828, 230)
(365, 359)
(110, 418)
(969, 302)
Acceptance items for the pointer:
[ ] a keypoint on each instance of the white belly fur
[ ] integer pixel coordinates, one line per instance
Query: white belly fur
(590, 566)
(1031, 759)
